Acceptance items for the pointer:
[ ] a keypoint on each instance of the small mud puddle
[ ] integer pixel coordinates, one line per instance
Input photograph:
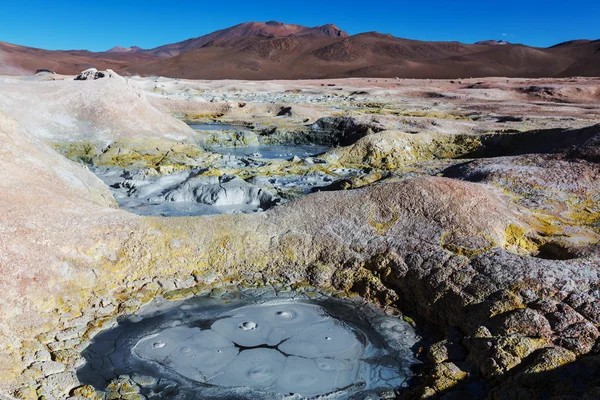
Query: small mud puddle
(253, 345)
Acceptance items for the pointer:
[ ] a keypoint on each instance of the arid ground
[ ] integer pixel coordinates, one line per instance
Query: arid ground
(469, 207)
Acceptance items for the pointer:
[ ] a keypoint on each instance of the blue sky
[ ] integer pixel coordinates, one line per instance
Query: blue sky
(102, 24)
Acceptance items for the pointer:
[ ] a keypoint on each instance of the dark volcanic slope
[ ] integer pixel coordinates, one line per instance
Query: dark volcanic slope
(274, 50)
(586, 54)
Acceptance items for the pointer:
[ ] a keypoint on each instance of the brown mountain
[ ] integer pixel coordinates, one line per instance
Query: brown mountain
(494, 42)
(20, 60)
(271, 29)
(273, 50)
(119, 49)
(586, 54)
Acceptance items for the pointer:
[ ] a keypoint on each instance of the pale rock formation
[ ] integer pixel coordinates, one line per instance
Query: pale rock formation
(93, 74)
(101, 110)
(50, 207)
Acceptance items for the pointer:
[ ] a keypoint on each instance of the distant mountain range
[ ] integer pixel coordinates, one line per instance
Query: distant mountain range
(274, 50)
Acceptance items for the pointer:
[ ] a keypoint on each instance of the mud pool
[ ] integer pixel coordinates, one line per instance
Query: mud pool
(271, 151)
(242, 175)
(185, 193)
(254, 345)
(217, 127)
(242, 141)
(196, 192)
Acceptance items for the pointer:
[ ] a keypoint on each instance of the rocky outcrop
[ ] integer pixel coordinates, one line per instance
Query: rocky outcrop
(49, 203)
(567, 210)
(93, 74)
(340, 131)
(590, 149)
(391, 150)
(96, 111)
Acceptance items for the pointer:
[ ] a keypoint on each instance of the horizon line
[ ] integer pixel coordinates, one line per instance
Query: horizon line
(316, 26)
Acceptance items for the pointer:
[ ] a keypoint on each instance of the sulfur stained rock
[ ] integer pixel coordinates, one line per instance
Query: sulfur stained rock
(497, 355)
(86, 392)
(49, 367)
(525, 321)
(446, 351)
(123, 385)
(133, 396)
(390, 150)
(68, 357)
(319, 275)
(553, 372)
(446, 375)
(566, 208)
(144, 380)
(550, 359)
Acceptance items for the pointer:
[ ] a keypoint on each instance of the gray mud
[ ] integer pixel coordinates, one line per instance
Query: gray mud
(217, 127)
(255, 345)
(271, 151)
(190, 193)
(185, 193)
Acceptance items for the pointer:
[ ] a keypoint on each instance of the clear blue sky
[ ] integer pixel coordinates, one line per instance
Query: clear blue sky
(101, 24)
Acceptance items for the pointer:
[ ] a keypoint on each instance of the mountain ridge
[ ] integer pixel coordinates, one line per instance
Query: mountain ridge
(247, 29)
(274, 50)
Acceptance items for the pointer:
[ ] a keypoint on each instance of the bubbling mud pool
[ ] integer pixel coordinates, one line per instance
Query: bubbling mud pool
(255, 346)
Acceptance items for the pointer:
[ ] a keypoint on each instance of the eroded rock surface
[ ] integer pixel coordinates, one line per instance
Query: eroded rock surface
(501, 253)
